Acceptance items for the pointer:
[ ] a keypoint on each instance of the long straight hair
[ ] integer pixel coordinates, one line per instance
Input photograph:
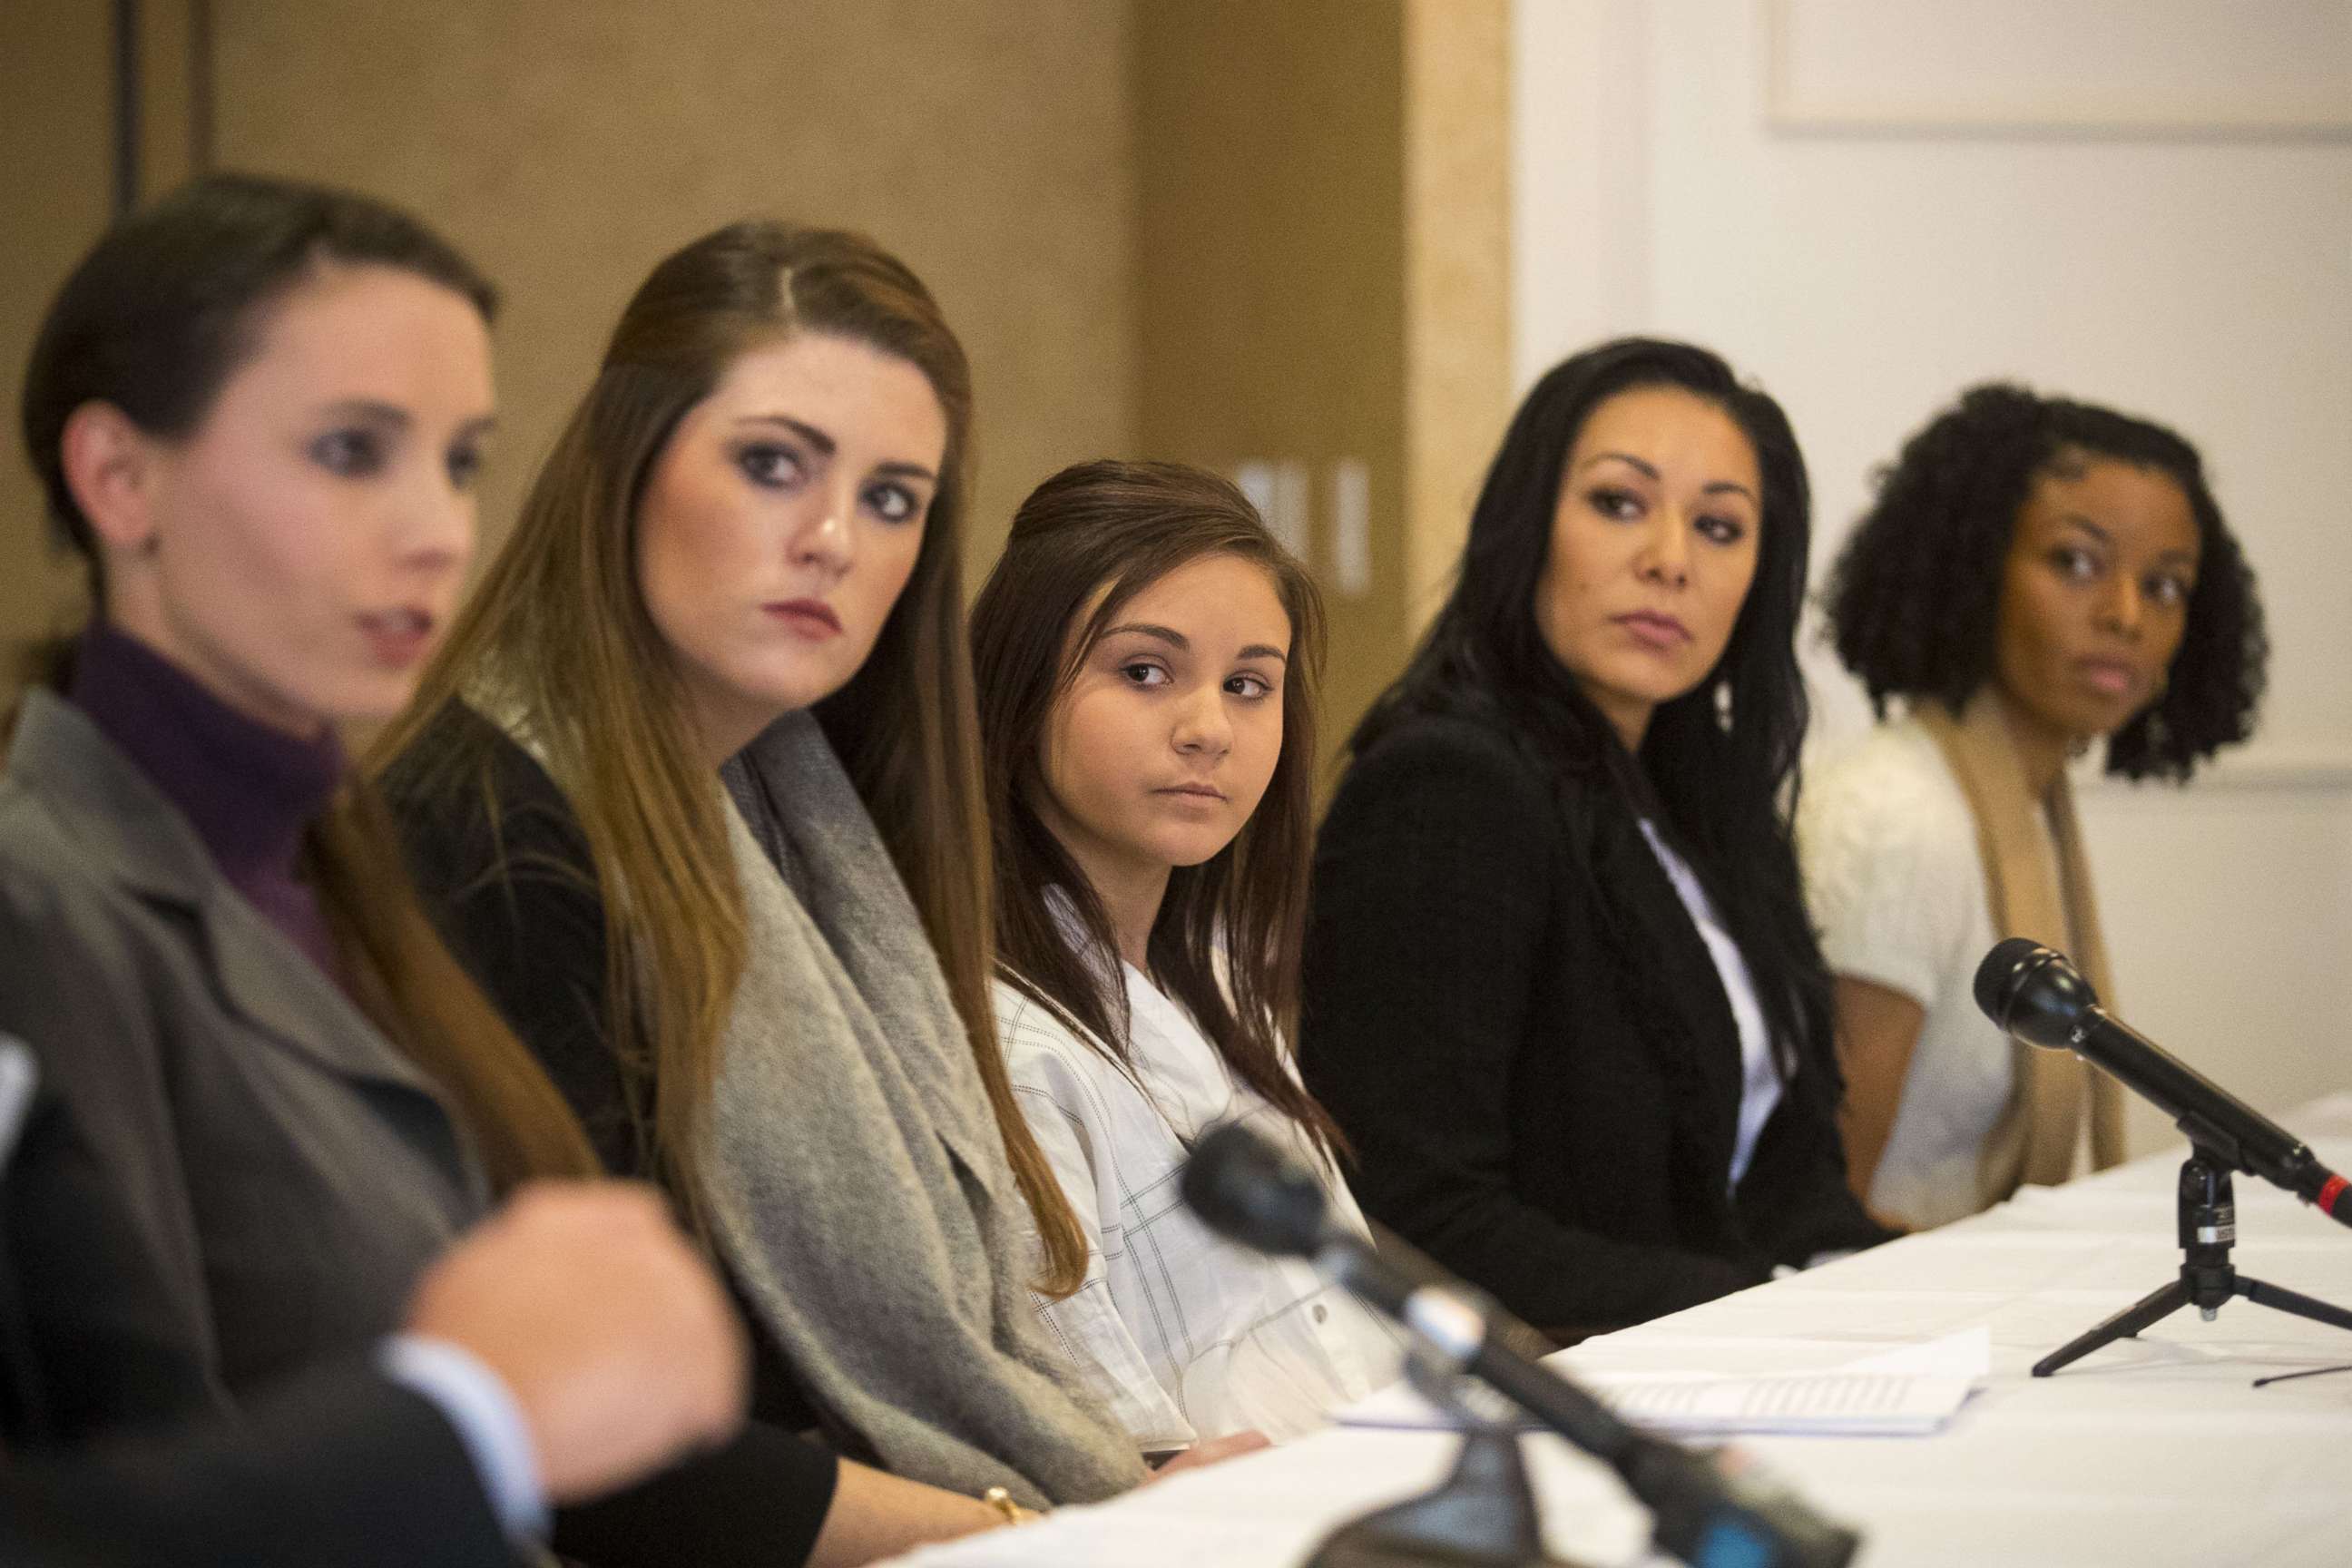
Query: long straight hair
(1719, 763)
(559, 631)
(154, 321)
(1100, 534)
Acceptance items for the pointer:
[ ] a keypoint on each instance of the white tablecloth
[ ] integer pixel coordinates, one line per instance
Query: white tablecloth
(2154, 1451)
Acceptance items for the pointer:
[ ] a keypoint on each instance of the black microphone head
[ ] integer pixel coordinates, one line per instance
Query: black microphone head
(1248, 1190)
(2033, 992)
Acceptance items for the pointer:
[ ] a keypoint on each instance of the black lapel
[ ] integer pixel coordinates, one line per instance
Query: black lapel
(1675, 997)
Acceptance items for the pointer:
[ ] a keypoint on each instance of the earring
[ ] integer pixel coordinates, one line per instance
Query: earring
(1723, 705)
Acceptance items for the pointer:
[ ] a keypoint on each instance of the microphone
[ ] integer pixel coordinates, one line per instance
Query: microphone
(18, 1077)
(2033, 992)
(1708, 1513)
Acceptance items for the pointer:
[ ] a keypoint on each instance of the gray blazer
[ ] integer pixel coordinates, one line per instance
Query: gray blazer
(237, 1174)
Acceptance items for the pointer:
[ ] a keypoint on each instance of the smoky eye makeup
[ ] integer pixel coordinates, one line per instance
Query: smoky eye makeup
(464, 465)
(1614, 501)
(773, 465)
(350, 451)
(894, 502)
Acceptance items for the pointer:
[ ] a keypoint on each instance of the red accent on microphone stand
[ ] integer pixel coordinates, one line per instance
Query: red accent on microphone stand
(2330, 1193)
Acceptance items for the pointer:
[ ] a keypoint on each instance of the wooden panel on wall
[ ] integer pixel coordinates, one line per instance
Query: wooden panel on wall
(1325, 304)
(1457, 277)
(56, 146)
(1272, 266)
(569, 145)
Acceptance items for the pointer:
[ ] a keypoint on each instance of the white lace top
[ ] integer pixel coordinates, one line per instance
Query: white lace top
(1895, 880)
(1183, 1335)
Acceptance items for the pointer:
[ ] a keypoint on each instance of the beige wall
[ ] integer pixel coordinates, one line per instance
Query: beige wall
(568, 145)
(1867, 271)
(1207, 230)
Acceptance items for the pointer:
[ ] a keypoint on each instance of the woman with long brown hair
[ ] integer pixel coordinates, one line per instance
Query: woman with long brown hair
(695, 789)
(257, 410)
(1147, 657)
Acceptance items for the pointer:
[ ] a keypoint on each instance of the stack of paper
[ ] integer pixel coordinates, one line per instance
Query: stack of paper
(1908, 1392)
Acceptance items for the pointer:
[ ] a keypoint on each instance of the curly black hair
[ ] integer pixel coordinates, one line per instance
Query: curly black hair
(1915, 599)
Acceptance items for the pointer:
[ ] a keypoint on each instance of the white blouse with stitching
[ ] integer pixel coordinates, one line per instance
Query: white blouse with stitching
(1185, 1336)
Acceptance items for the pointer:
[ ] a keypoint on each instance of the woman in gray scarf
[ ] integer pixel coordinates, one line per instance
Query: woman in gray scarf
(740, 563)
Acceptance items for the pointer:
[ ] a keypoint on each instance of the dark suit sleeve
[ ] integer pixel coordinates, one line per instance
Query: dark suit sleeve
(340, 1467)
(93, 1211)
(1432, 908)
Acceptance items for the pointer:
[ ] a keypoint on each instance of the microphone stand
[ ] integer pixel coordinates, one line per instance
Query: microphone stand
(2209, 1226)
(1483, 1515)
(23, 1406)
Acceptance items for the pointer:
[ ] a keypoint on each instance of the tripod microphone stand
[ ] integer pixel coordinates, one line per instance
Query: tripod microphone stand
(2033, 992)
(2208, 1227)
(1483, 1515)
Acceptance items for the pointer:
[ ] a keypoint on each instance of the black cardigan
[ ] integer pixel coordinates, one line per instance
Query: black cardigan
(1521, 1032)
(514, 895)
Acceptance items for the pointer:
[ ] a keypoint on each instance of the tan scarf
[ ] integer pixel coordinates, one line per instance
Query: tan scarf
(2034, 1140)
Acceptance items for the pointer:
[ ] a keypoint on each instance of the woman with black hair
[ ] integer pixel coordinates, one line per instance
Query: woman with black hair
(1147, 657)
(1561, 992)
(2036, 575)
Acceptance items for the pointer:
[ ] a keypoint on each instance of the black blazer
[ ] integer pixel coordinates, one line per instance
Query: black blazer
(1521, 1031)
(341, 1467)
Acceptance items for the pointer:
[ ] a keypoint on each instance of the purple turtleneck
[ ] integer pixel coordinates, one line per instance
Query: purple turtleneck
(247, 789)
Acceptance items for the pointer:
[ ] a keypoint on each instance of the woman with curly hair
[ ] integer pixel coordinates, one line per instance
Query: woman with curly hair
(2036, 575)
(1561, 992)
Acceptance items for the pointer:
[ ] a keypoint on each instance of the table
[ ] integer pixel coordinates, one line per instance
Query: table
(2152, 1452)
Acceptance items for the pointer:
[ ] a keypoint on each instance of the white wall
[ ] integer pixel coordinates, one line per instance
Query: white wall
(2198, 273)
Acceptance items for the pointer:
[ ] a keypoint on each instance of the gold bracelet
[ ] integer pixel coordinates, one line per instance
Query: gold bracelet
(1009, 1510)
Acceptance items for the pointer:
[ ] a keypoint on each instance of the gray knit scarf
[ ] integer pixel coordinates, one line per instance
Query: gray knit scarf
(858, 1182)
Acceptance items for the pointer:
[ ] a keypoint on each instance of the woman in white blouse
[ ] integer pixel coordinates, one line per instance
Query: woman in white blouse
(2036, 575)
(1145, 654)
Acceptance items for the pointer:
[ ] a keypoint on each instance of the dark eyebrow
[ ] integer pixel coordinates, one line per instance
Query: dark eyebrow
(369, 409)
(815, 437)
(1264, 650)
(2076, 520)
(1650, 471)
(1174, 638)
(826, 446)
(1648, 468)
